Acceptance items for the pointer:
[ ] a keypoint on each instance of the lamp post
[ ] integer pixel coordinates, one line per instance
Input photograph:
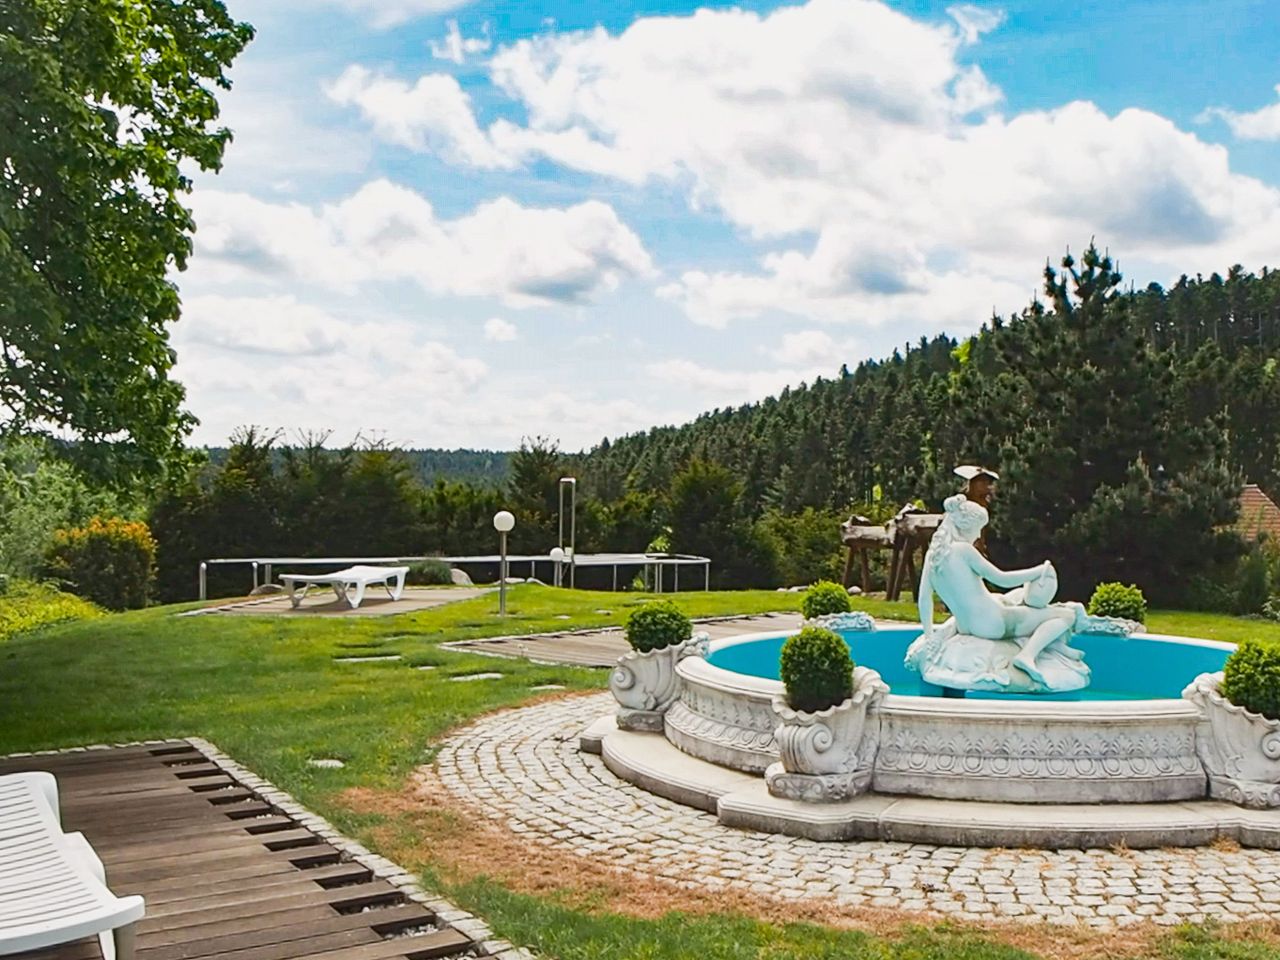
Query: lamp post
(557, 557)
(504, 523)
(572, 483)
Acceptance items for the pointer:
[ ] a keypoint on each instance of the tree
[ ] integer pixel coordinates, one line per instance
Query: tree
(1100, 471)
(707, 521)
(101, 103)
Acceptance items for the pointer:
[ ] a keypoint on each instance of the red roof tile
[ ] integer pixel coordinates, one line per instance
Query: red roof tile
(1258, 514)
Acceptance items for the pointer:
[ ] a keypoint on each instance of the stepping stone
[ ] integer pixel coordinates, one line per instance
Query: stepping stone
(476, 676)
(425, 666)
(604, 613)
(326, 764)
(548, 686)
(384, 656)
(563, 616)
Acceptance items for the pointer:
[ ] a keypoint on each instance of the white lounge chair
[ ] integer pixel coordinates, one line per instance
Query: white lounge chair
(53, 888)
(344, 581)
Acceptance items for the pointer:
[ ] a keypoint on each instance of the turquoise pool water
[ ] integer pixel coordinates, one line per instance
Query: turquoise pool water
(1132, 668)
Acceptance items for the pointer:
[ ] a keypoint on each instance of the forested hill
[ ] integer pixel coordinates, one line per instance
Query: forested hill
(894, 427)
(486, 468)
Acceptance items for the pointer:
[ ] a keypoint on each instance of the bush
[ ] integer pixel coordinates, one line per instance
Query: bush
(807, 544)
(824, 598)
(429, 573)
(1117, 600)
(1253, 586)
(28, 606)
(109, 561)
(1271, 609)
(1251, 678)
(817, 669)
(657, 625)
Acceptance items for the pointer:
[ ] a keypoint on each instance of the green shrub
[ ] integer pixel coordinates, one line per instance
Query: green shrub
(28, 606)
(824, 598)
(817, 669)
(657, 625)
(807, 544)
(1251, 678)
(429, 573)
(109, 561)
(1271, 609)
(1253, 587)
(1117, 600)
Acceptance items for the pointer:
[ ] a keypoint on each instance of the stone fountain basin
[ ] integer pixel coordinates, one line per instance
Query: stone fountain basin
(1023, 750)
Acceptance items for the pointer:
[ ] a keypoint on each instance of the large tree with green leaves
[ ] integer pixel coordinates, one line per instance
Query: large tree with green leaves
(1104, 470)
(103, 104)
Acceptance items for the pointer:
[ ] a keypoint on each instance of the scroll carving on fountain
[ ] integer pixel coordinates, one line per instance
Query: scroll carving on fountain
(1015, 642)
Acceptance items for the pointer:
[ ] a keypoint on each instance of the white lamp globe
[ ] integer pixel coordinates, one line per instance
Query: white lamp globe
(556, 554)
(504, 521)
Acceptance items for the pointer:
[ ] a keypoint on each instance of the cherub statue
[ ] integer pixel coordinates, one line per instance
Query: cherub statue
(990, 632)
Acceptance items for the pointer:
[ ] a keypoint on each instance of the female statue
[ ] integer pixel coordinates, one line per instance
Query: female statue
(968, 651)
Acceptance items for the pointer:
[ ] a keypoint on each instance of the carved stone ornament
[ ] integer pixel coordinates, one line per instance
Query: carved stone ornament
(1240, 749)
(858, 621)
(646, 684)
(829, 755)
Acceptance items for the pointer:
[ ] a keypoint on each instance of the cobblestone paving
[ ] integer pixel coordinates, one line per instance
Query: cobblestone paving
(523, 768)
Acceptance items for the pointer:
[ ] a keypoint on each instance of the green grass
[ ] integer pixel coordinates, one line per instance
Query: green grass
(267, 690)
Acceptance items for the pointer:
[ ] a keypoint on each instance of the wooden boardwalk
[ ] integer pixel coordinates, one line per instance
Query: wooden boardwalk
(602, 648)
(225, 877)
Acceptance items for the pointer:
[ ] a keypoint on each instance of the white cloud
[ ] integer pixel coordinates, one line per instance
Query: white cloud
(1261, 124)
(434, 114)
(457, 48)
(306, 367)
(500, 331)
(714, 385)
(391, 13)
(852, 136)
(974, 21)
(807, 349)
(523, 256)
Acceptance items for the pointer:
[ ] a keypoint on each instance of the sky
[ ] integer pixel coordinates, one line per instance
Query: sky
(453, 224)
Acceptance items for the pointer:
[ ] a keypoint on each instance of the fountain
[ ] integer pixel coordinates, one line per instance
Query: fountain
(1017, 722)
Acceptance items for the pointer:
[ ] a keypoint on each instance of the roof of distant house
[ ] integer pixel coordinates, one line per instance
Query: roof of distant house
(1258, 514)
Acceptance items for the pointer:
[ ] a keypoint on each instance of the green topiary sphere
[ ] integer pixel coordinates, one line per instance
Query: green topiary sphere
(817, 670)
(1251, 678)
(1117, 600)
(824, 598)
(657, 625)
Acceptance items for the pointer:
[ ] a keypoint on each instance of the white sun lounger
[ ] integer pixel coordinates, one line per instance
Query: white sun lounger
(344, 581)
(53, 888)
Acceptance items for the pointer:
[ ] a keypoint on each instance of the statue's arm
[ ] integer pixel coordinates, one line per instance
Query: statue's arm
(1001, 578)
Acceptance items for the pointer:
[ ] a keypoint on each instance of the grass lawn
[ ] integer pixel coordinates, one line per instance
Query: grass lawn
(268, 691)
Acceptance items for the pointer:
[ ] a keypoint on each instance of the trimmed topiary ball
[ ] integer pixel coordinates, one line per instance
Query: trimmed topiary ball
(1251, 678)
(816, 669)
(657, 625)
(824, 598)
(1117, 600)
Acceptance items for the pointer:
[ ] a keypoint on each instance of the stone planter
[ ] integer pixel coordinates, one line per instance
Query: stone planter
(857, 621)
(829, 755)
(646, 684)
(1240, 749)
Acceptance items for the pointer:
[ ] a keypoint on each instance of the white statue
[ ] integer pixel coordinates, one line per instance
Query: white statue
(1014, 642)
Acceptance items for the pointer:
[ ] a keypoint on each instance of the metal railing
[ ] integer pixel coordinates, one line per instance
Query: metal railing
(653, 565)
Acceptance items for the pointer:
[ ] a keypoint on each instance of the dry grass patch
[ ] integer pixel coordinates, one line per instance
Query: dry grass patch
(424, 828)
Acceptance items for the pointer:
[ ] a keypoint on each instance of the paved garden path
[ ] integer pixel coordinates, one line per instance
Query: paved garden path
(523, 768)
(602, 648)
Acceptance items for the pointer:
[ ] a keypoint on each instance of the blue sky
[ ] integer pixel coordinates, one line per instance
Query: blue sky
(453, 224)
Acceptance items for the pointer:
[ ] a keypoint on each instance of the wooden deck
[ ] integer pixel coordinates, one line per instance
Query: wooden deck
(602, 648)
(225, 877)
